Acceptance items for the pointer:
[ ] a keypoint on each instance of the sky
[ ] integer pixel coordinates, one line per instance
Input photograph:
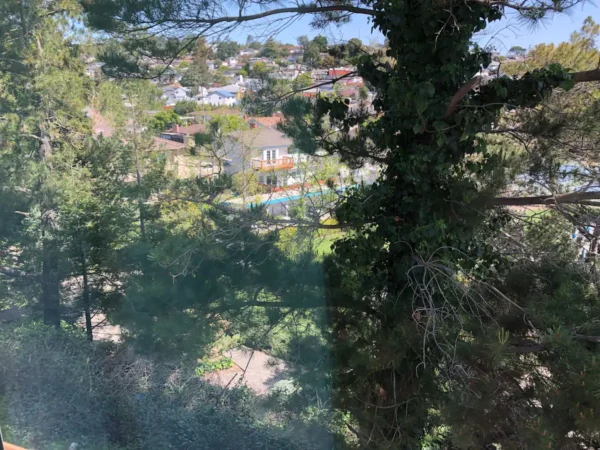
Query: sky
(502, 35)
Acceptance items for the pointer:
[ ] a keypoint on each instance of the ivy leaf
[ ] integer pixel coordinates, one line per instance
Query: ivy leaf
(567, 85)
(421, 104)
(439, 125)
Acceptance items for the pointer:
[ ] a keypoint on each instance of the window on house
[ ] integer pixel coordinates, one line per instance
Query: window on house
(271, 180)
(269, 155)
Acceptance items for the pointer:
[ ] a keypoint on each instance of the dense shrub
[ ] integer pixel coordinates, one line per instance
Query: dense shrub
(55, 387)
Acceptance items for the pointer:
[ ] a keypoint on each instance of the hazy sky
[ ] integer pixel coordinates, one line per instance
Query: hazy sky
(503, 34)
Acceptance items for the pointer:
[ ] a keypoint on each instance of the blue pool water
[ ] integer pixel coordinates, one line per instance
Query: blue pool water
(275, 201)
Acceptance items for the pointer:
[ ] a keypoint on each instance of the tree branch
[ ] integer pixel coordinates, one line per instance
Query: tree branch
(16, 273)
(526, 349)
(534, 348)
(302, 9)
(464, 90)
(577, 77)
(588, 75)
(573, 197)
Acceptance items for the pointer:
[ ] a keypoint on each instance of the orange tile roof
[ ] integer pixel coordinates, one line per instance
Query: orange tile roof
(266, 121)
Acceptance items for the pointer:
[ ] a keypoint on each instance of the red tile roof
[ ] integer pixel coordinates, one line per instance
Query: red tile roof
(338, 72)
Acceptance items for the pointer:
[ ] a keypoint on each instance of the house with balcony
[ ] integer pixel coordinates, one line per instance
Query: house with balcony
(266, 151)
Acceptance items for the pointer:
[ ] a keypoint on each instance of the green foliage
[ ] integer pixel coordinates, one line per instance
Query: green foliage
(518, 50)
(229, 123)
(184, 107)
(321, 42)
(272, 49)
(312, 54)
(303, 81)
(578, 54)
(163, 120)
(226, 49)
(245, 183)
(255, 45)
(213, 366)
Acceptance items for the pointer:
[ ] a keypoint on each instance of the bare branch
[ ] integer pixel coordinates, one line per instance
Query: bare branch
(464, 90)
(16, 273)
(577, 77)
(573, 197)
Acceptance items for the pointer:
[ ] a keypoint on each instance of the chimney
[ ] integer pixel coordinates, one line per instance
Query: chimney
(176, 128)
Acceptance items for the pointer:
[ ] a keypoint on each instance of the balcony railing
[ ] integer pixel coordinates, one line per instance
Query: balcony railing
(285, 162)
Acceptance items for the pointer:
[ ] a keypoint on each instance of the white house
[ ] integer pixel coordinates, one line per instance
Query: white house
(172, 95)
(219, 98)
(230, 62)
(249, 52)
(202, 92)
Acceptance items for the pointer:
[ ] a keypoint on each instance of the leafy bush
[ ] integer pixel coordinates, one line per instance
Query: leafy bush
(213, 366)
(55, 387)
(184, 107)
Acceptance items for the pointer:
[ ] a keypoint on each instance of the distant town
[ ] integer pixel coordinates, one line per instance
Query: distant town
(215, 80)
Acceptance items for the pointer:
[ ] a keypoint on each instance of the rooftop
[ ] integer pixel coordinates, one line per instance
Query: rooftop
(223, 93)
(270, 122)
(188, 129)
(262, 137)
(166, 144)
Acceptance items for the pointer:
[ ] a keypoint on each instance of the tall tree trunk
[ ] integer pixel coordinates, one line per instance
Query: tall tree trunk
(50, 278)
(140, 200)
(86, 299)
(138, 179)
(50, 285)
